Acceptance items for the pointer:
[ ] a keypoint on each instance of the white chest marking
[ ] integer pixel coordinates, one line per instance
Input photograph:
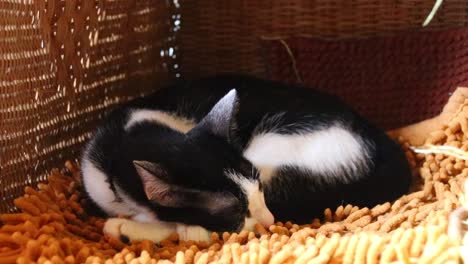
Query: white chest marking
(172, 121)
(256, 199)
(331, 151)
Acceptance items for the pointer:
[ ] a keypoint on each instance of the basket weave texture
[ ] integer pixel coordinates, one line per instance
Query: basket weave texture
(226, 35)
(63, 65)
(392, 80)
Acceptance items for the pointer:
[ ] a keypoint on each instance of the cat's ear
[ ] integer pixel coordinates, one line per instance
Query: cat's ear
(220, 119)
(157, 187)
(156, 184)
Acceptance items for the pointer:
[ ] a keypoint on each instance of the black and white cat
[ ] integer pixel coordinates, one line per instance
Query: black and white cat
(225, 152)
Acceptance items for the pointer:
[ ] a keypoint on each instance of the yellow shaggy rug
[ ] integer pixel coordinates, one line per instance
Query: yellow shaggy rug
(53, 227)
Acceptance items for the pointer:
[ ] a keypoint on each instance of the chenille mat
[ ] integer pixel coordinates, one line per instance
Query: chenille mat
(53, 226)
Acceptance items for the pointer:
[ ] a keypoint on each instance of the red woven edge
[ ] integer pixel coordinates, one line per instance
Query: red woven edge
(394, 80)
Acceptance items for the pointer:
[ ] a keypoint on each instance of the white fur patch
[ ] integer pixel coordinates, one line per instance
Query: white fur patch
(100, 191)
(174, 122)
(256, 200)
(331, 151)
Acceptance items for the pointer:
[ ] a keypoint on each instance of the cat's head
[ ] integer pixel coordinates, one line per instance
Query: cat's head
(207, 181)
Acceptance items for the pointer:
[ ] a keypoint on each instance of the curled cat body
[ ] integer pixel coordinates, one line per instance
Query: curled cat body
(222, 153)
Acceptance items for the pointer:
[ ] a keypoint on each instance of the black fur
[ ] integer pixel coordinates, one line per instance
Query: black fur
(197, 160)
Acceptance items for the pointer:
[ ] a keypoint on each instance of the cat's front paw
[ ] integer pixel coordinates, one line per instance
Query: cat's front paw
(195, 233)
(127, 230)
(113, 228)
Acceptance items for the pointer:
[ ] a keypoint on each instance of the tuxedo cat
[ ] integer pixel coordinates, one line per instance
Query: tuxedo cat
(222, 153)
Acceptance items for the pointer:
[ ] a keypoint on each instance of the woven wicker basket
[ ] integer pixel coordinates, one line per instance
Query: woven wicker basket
(64, 64)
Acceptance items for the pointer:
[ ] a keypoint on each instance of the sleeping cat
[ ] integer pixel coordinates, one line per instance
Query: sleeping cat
(222, 153)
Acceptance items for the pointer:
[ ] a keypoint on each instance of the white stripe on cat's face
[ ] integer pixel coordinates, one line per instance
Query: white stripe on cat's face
(174, 122)
(256, 201)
